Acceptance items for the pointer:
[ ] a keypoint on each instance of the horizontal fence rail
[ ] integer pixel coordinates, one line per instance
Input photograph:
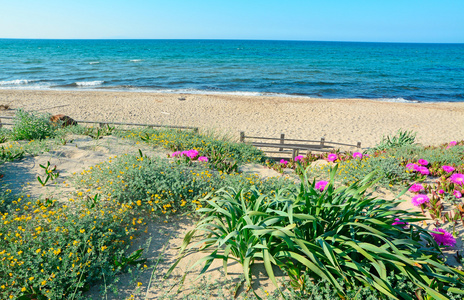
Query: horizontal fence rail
(102, 124)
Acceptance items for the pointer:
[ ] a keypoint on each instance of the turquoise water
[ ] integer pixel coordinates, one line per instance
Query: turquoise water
(388, 71)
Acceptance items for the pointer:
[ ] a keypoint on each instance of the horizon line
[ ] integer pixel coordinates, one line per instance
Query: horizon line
(227, 39)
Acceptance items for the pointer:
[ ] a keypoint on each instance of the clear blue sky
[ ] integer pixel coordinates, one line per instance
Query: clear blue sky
(323, 20)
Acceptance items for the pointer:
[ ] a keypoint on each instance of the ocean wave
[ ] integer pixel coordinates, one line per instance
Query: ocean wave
(16, 82)
(90, 83)
(94, 62)
(399, 100)
(135, 60)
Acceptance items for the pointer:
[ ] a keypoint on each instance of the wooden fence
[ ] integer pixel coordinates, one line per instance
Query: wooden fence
(285, 146)
(102, 124)
(295, 145)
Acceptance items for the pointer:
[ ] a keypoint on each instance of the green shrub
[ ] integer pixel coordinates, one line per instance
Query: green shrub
(207, 144)
(400, 139)
(32, 126)
(434, 155)
(56, 252)
(162, 185)
(338, 234)
(389, 169)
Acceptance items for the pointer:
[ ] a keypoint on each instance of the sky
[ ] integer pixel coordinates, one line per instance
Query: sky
(416, 21)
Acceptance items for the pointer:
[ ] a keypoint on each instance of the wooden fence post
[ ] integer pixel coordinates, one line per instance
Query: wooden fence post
(102, 125)
(0, 123)
(358, 145)
(282, 140)
(195, 130)
(295, 153)
(242, 136)
(322, 142)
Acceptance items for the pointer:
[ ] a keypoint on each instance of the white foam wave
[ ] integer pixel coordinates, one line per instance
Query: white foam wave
(16, 82)
(90, 83)
(398, 100)
(94, 62)
(135, 60)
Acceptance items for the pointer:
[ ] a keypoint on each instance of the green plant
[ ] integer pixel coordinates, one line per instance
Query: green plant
(122, 262)
(206, 144)
(53, 251)
(32, 126)
(338, 234)
(218, 159)
(50, 174)
(400, 139)
(8, 155)
(159, 186)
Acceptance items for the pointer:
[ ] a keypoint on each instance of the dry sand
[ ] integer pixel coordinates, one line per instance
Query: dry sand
(339, 120)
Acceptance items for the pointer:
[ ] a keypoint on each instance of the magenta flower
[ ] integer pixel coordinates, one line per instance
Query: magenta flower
(321, 185)
(457, 194)
(332, 157)
(441, 191)
(357, 155)
(411, 166)
(299, 158)
(416, 187)
(453, 143)
(422, 162)
(448, 169)
(424, 170)
(457, 178)
(443, 237)
(203, 159)
(283, 161)
(399, 222)
(420, 199)
(190, 153)
(176, 154)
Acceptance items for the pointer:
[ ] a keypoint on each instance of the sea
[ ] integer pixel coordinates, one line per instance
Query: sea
(398, 72)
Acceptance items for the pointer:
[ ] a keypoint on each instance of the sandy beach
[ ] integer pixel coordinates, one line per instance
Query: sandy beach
(339, 120)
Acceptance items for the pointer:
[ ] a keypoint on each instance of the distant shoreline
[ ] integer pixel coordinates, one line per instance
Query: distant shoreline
(339, 120)
(218, 93)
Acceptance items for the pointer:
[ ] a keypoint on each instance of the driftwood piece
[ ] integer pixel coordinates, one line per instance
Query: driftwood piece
(62, 120)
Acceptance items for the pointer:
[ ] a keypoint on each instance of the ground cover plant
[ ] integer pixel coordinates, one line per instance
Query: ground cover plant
(159, 185)
(213, 146)
(53, 251)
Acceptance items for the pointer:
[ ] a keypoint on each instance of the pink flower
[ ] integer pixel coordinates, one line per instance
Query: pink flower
(457, 178)
(417, 200)
(443, 237)
(176, 154)
(424, 170)
(451, 144)
(448, 169)
(332, 157)
(399, 222)
(283, 161)
(192, 154)
(357, 155)
(416, 187)
(422, 162)
(441, 192)
(321, 185)
(457, 194)
(299, 158)
(203, 159)
(411, 166)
